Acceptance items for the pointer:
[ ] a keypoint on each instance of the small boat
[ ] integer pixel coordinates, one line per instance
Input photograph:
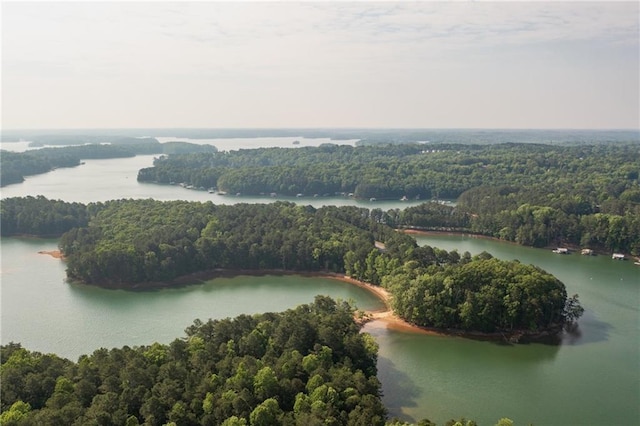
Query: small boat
(636, 263)
(404, 198)
(561, 250)
(586, 252)
(617, 256)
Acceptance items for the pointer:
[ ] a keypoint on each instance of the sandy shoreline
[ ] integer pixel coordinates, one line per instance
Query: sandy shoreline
(52, 253)
(376, 318)
(384, 316)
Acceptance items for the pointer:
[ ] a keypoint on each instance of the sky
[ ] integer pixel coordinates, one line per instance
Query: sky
(526, 65)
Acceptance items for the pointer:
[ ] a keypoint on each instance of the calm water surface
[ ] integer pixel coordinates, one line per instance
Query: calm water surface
(103, 180)
(592, 378)
(222, 144)
(45, 313)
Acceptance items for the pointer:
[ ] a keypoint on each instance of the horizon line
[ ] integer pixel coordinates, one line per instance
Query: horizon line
(326, 128)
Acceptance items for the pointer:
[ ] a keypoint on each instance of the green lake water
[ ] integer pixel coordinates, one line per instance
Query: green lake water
(591, 378)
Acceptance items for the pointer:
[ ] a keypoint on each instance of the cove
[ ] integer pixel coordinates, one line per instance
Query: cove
(591, 378)
(45, 313)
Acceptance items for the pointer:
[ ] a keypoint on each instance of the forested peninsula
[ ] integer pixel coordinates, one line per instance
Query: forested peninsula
(140, 243)
(309, 365)
(534, 194)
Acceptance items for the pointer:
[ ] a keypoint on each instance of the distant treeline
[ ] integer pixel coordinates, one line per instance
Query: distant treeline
(363, 135)
(537, 195)
(14, 166)
(528, 224)
(131, 243)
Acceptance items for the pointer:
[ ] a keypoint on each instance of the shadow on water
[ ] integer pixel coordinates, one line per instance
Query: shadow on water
(589, 330)
(399, 390)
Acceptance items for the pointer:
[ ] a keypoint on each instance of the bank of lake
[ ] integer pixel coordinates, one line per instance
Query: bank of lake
(591, 378)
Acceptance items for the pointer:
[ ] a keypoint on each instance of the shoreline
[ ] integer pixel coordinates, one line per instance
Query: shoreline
(383, 317)
(574, 249)
(53, 253)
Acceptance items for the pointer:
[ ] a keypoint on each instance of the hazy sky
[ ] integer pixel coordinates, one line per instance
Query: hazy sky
(326, 64)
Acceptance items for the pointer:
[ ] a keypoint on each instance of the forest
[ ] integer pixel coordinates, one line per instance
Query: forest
(485, 294)
(307, 366)
(139, 243)
(538, 195)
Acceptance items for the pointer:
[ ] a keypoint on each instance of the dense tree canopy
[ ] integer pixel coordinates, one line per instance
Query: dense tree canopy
(40, 216)
(392, 171)
(135, 241)
(539, 195)
(308, 365)
(484, 294)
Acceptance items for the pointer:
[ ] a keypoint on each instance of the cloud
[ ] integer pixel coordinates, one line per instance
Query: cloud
(232, 30)
(245, 53)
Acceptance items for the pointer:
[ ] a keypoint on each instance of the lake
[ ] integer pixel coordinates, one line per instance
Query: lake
(103, 180)
(222, 144)
(592, 378)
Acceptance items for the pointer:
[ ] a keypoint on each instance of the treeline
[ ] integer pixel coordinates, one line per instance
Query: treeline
(306, 366)
(512, 215)
(425, 171)
(14, 166)
(431, 287)
(537, 195)
(367, 172)
(39, 216)
(138, 241)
